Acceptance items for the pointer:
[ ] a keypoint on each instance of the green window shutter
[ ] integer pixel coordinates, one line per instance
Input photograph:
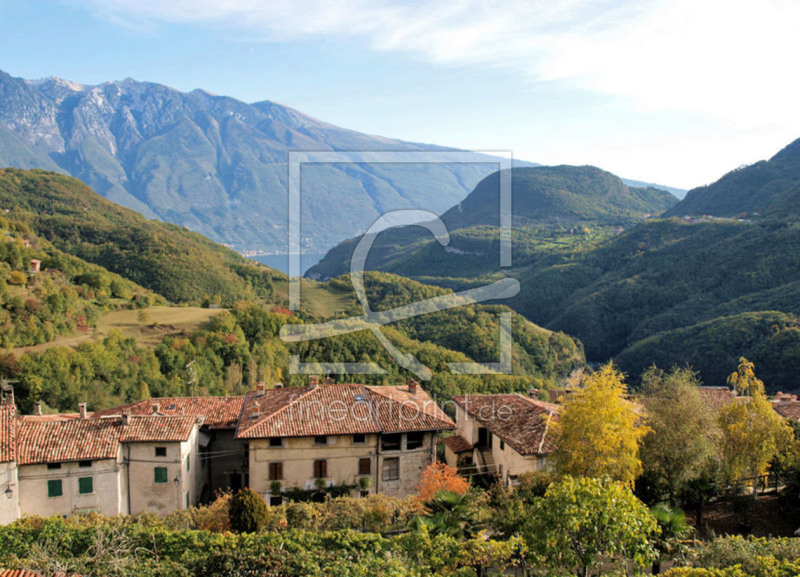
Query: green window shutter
(188, 463)
(85, 485)
(54, 488)
(160, 474)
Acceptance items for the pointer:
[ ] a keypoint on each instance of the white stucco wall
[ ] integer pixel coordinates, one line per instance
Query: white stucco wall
(9, 503)
(163, 498)
(109, 496)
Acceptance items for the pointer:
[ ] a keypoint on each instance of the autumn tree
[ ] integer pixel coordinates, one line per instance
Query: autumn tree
(752, 432)
(438, 477)
(582, 522)
(683, 435)
(599, 430)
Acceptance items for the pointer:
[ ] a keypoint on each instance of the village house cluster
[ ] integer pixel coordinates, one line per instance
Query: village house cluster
(162, 455)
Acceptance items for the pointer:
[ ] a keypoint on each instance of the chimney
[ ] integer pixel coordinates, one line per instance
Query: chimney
(156, 408)
(278, 385)
(533, 393)
(313, 380)
(82, 410)
(126, 419)
(37, 408)
(261, 389)
(412, 386)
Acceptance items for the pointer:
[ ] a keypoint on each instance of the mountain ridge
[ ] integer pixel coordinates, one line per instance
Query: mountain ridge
(768, 188)
(216, 164)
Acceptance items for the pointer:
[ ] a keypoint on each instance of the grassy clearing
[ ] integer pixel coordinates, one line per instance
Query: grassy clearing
(324, 301)
(159, 322)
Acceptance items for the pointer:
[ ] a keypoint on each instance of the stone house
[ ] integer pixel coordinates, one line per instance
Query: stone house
(304, 437)
(223, 459)
(76, 463)
(501, 435)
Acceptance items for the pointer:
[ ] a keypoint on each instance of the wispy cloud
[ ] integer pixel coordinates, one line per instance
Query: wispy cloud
(731, 59)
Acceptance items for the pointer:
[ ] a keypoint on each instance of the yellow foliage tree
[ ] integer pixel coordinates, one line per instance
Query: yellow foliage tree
(752, 432)
(599, 430)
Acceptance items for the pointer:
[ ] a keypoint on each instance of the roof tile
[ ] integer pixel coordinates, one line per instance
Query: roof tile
(521, 422)
(338, 410)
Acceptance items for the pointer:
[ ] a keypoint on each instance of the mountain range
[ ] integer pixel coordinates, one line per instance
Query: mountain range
(721, 281)
(215, 164)
(218, 165)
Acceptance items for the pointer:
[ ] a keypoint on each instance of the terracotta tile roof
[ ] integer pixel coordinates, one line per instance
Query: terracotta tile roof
(399, 410)
(457, 444)
(7, 433)
(26, 573)
(160, 428)
(218, 412)
(521, 422)
(46, 440)
(788, 409)
(718, 397)
(338, 410)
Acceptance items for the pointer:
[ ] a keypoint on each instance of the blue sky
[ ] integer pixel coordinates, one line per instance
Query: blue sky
(677, 92)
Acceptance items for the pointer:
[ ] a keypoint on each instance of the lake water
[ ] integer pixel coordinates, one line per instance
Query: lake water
(281, 261)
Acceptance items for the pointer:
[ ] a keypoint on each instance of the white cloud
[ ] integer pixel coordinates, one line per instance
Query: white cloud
(730, 59)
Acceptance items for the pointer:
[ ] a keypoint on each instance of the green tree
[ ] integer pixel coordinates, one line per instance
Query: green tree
(599, 430)
(672, 531)
(248, 512)
(752, 432)
(683, 430)
(582, 523)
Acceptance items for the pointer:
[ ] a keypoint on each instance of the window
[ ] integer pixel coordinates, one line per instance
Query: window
(414, 440)
(54, 488)
(275, 442)
(276, 471)
(161, 451)
(320, 469)
(391, 469)
(364, 493)
(359, 439)
(188, 462)
(84, 464)
(160, 474)
(320, 440)
(392, 442)
(364, 466)
(85, 485)
(502, 445)
(51, 466)
(275, 501)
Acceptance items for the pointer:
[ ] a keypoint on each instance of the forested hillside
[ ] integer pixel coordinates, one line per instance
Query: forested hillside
(170, 260)
(766, 189)
(45, 292)
(551, 200)
(231, 351)
(697, 290)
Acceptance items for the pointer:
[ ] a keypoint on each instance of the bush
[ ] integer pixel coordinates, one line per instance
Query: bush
(749, 553)
(248, 512)
(17, 278)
